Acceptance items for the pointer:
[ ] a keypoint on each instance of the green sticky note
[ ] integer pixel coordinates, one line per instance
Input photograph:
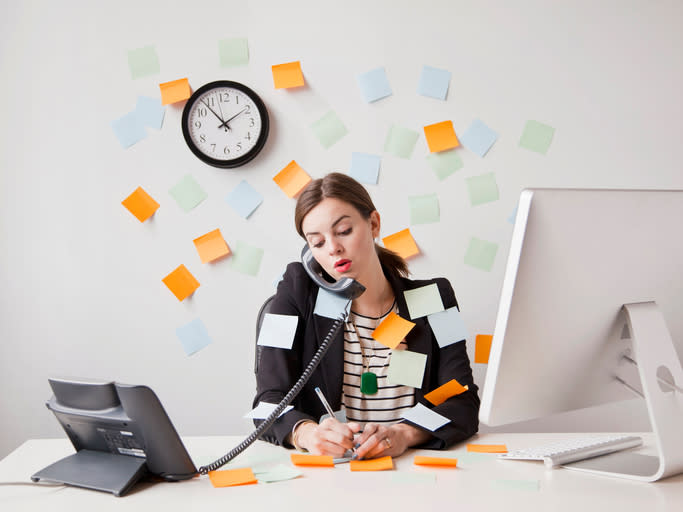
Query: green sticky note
(482, 189)
(445, 163)
(423, 301)
(246, 258)
(424, 209)
(471, 457)
(481, 254)
(277, 474)
(143, 62)
(329, 129)
(407, 368)
(233, 52)
(187, 193)
(537, 137)
(402, 477)
(520, 485)
(400, 141)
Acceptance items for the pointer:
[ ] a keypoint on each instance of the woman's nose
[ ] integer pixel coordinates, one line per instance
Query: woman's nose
(335, 247)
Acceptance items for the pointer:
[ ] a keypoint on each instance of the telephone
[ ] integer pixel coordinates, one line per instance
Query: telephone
(345, 287)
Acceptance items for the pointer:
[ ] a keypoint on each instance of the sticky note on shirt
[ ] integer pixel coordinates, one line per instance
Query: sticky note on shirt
(537, 137)
(481, 254)
(425, 417)
(400, 141)
(445, 163)
(128, 129)
(265, 409)
(244, 199)
(292, 179)
(300, 459)
(246, 258)
(423, 301)
(150, 112)
(187, 193)
(478, 138)
(232, 477)
(140, 204)
(181, 283)
(175, 91)
(233, 52)
(329, 129)
(448, 326)
(330, 305)
(143, 62)
(446, 391)
(378, 464)
(211, 246)
(402, 243)
(406, 368)
(424, 209)
(364, 168)
(374, 85)
(434, 82)
(287, 75)
(487, 448)
(193, 336)
(482, 348)
(392, 330)
(421, 460)
(278, 330)
(482, 189)
(441, 136)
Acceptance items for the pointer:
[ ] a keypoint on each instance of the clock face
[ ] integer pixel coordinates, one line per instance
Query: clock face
(225, 124)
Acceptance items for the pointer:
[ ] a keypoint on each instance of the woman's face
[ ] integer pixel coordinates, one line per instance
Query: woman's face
(341, 240)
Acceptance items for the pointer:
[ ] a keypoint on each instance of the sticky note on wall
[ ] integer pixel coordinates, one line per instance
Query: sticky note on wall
(193, 336)
(482, 348)
(143, 62)
(211, 246)
(402, 243)
(175, 91)
(140, 204)
(287, 75)
(292, 179)
(181, 283)
(441, 136)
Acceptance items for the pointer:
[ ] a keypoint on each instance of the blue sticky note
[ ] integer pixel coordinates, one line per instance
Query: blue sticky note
(365, 167)
(448, 326)
(330, 304)
(128, 129)
(374, 85)
(193, 336)
(478, 138)
(434, 82)
(150, 112)
(244, 199)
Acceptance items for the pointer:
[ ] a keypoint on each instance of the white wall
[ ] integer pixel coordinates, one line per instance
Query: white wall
(81, 278)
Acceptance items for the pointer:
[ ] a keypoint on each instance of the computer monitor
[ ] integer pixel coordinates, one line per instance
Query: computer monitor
(564, 339)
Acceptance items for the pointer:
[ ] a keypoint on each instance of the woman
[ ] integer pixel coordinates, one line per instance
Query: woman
(339, 222)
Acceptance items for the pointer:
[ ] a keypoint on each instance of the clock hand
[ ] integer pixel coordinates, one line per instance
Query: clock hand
(219, 117)
(221, 110)
(225, 123)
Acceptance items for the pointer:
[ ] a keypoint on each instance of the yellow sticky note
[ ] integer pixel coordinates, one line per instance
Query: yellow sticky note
(287, 75)
(487, 448)
(392, 330)
(230, 477)
(372, 464)
(181, 282)
(140, 204)
(292, 179)
(174, 91)
(444, 392)
(402, 243)
(482, 348)
(421, 460)
(441, 136)
(211, 246)
(300, 459)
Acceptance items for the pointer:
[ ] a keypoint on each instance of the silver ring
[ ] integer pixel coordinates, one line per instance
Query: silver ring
(388, 442)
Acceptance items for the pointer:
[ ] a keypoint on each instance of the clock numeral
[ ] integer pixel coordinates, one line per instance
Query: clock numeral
(237, 99)
(202, 138)
(248, 109)
(202, 112)
(224, 97)
(226, 150)
(213, 148)
(251, 125)
(210, 101)
(239, 146)
(198, 124)
(248, 137)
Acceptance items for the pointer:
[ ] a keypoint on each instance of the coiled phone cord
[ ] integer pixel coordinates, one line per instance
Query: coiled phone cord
(256, 434)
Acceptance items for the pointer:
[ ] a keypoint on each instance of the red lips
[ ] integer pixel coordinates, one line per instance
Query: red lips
(342, 265)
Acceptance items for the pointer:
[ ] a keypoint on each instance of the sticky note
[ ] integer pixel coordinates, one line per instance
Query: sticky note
(445, 391)
(277, 473)
(421, 415)
(421, 460)
(233, 52)
(330, 305)
(448, 326)
(150, 112)
(300, 459)
(434, 82)
(513, 216)
(478, 138)
(482, 348)
(400, 141)
(231, 477)
(246, 258)
(441, 136)
(278, 330)
(265, 409)
(519, 485)
(211, 246)
(329, 129)
(423, 301)
(181, 283)
(402, 243)
(482, 189)
(175, 91)
(392, 330)
(244, 199)
(481, 254)
(487, 448)
(424, 209)
(287, 75)
(445, 163)
(374, 85)
(292, 179)
(537, 137)
(128, 129)
(193, 336)
(140, 204)
(143, 62)
(187, 193)
(407, 368)
(378, 464)
(364, 168)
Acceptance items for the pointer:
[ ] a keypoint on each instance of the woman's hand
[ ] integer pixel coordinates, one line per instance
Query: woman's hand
(380, 440)
(330, 437)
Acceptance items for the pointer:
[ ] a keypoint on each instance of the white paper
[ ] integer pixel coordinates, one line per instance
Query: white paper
(448, 326)
(278, 330)
(421, 415)
(264, 409)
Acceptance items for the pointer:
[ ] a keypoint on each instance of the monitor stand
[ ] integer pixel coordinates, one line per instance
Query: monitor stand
(658, 364)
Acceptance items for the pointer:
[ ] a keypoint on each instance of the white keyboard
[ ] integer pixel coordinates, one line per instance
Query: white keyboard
(572, 450)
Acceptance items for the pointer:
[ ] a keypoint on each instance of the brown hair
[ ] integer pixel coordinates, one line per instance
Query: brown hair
(340, 186)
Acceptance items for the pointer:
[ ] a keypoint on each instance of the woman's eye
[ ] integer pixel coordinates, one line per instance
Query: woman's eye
(346, 232)
(318, 245)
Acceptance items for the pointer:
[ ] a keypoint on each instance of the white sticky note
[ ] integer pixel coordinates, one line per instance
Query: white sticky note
(330, 304)
(407, 368)
(423, 301)
(278, 330)
(264, 409)
(421, 415)
(448, 326)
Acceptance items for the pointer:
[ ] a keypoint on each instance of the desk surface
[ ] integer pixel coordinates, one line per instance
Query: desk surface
(480, 482)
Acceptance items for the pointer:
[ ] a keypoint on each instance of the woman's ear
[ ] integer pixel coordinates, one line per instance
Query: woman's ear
(375, 223)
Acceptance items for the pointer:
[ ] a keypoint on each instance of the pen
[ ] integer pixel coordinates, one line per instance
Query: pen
(324, 401)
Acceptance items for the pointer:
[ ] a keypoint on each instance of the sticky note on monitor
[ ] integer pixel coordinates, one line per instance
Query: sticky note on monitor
(233, 52)
(287, 75)
(374, 85)
(392, 330)
(482, 348)
(537, 137)
(150, 112)
(330, 305)
(329, 129)
(143, 62)
(232, 477)
(445, 163)
(402, 243)
(140, 204)
(425, 417)
(265, 409)
(193, 336)
(278, 330)
(478, 138)
(441, 136)
(181, 283)
(128, 129)
(211, 246)
(187, 193)
(406, 368)
(244, 199)
(292, 179)
(423, 301)
(482, 189)
(481, 254)
(400, 141)
(446, 391)
(246, 258)
(175, 91)
(448, 326)
(434, 82)
(364, 167)
(424, 209)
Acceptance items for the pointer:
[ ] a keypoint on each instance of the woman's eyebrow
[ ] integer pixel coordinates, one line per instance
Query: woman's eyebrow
(308, 233)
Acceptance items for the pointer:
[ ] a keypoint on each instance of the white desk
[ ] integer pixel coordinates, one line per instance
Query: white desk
(481, 482)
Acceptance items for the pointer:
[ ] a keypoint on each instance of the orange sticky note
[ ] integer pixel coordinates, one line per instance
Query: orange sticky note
(392, 330)
(421, 460)
(140, 204)
(181, 283)
(444, 392)
(211, 246)
(300, 459)
(230, 477)
(482, 348)
(441, 136)
(174, 91)
(287, 75)
(292, 179)
(372, 464)
(487, 448)
(402, 243)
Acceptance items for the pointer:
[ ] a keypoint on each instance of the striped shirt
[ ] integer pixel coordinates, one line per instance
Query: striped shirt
(361, 354)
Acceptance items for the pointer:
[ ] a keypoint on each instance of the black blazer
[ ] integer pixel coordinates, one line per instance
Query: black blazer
(280, 368)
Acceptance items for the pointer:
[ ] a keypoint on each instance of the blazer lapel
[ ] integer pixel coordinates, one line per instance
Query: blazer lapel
(332, 364)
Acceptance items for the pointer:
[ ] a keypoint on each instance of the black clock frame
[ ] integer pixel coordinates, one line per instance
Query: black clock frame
(263, 134)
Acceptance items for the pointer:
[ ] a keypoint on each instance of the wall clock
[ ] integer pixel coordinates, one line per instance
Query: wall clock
(225, 124)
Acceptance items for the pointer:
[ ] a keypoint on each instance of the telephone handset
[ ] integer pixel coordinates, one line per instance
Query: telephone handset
(346, 287)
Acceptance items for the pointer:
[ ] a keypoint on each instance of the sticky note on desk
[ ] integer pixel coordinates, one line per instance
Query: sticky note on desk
(482, 189)
(478, 138)
(481, 254)
(400, 141)
(193, 336)
(445, 391)
(424, 209)
(402, 243)
(329, 129)
(434, 82)
(537, 137)
(482, 348)
(392, 330)
(211, 246)
(423, 301)
(140, 204)
(244, 199)
(277, 474)
(487, 448)
(300, 459)
(278, 330)
(379, 464)
(374, 85)
(231, 477)
(441, 136)
(181, 283)
(287, 75)
(421, 415)
(448, 326)
(407, 368)
(175, 91)
(421, 460)
(187, 193)
(292, 179)
(246, 258)
(143, 62)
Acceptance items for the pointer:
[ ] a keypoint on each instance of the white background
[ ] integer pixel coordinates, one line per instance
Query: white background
(81, 277)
